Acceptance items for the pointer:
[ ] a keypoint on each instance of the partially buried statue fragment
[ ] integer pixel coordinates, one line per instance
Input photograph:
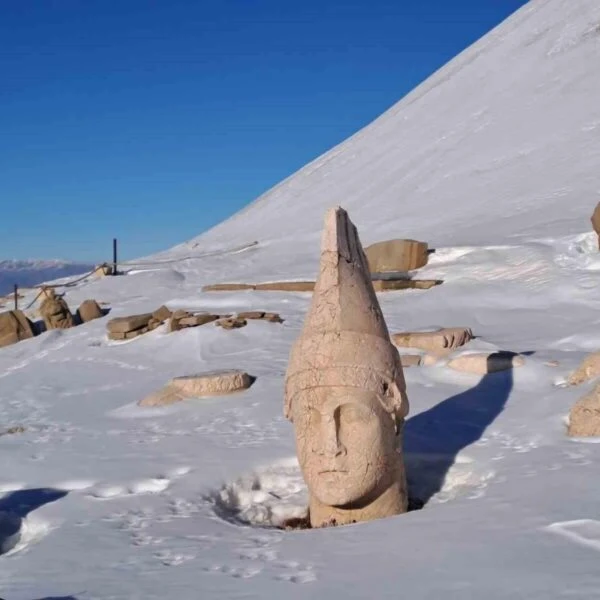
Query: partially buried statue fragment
(345, 391)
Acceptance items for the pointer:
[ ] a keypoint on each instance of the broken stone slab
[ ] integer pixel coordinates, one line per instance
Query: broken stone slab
(88, 311)
(588, 369)
(161, 314)
(260, 315)
(584, 417)
(214, 383)
(56, 313)
(391, 285)
(441, 341)
(485, 363)
(14, 327)
(397, 255)
(596, 221)
(198, 320)
(130, 323)
(127, 335)
(231, 323)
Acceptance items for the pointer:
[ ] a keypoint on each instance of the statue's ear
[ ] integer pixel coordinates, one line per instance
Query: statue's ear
(287, 405)
(396, 400)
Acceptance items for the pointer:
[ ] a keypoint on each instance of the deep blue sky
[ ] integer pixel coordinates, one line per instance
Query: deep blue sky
(152, 120)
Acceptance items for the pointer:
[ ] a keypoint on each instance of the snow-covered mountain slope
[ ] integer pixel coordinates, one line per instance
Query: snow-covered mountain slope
(503, 143)
(120, 502)
(27, 273)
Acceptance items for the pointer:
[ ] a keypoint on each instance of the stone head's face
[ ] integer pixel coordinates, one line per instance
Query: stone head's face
(345, 442)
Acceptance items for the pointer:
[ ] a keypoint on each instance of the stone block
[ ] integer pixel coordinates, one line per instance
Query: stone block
(442, 341)
(89, 310)
(231, 323)
(130, 323)
(161, 314)
(215, 383)
(485, 363)
(396, 256)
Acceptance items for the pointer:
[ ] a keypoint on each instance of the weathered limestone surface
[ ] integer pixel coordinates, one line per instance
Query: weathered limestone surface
(484, 363)
(584, 417)
(396, 255)
(215, 383)
(161, 314)
(14, 327)
(89, 310)
(103, 270)
(345, 391)
(441, 341)
(55, 312)
(596, 221)
(231, 323)
(587, 370)
(127, 324)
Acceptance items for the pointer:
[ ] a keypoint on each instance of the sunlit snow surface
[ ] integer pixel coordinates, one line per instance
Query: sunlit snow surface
(494, 161)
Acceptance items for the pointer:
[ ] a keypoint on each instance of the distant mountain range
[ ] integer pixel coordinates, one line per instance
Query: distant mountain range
(27, 273)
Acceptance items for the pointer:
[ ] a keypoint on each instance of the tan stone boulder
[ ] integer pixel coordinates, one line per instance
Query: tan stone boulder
(485, 363)
(215, 383)
(161, 314)
(396, 255)
(587, 370)
(103, 270)
(128, 324)
(198, 320)
(584, 417)
(231, 323)
(14, 327)
(260, 315)
(88, 311)
(442, 341)
(596, 221)
(55, 312)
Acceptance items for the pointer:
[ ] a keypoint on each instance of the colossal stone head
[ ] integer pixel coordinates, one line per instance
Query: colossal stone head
(345, 390)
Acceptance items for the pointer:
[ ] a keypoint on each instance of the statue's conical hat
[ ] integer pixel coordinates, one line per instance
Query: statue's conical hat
(345, 341)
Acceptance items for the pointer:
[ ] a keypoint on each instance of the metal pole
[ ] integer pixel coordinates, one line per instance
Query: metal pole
(114, 256)
(16, 297)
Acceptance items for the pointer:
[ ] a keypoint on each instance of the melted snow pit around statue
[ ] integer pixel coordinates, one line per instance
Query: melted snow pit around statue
(275, 496)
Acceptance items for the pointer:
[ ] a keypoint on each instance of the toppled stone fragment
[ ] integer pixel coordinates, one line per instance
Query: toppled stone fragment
(103, 270)
(161, 314)
(55, 312)
(215, 383)
(484, 363)
(14, 327)
(198, 320)
(88, 311)
(589, 369)
(584, 417)
(396, 256)
(440, 341)
(345, 391)
(231, 323)
(131, 323)
(252, 314)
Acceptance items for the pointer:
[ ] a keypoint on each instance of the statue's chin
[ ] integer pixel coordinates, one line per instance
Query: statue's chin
(337, 494)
